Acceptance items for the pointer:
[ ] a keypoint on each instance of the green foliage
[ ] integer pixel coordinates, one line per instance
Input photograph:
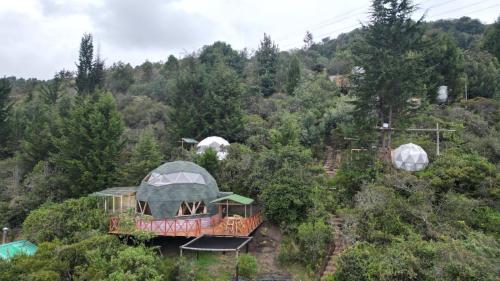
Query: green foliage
(171, 66)
(89, 145)
(247, 266)
(391, 61)
(421, 260)
(491, 39)
(134, 264)
(52, 91)
(351, 176)
(145, 157)
(207, 102)
(461, 172)
(313, 237)
(293, 77)
(221, 103)
(286, 199)
(5, 107)
(90, 73)
(221, 52)
(483, 72)
(121, 77)
(446, 65)
(65, 221)
(40, 127)
(239, 171)
(465, 31)
(209, 161)
(267, 65)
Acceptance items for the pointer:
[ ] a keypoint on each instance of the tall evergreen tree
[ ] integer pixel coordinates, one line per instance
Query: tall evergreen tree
(84, 67)
(90, 72)
(186, 102)
(145, 157)
(97, 75)
(389, 61)
(207, 102)
(39, 128)
(222, 101)
(5, 106)
(293, 76)
(267, 65)
(89, 145)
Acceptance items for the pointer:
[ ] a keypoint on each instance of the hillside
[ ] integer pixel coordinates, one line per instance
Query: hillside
(286, 113)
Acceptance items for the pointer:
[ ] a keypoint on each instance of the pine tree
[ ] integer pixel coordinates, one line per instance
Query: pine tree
(97, 75)
(267, 65)
(186, 102)
(90, 72)
(5, 107)
(222, 102)
(89, 145)
(389, 61)
(207, 102)
(145, 157)
(293, 76)
(84, 67)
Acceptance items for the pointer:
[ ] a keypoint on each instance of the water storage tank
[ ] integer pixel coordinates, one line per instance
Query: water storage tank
(442, 94)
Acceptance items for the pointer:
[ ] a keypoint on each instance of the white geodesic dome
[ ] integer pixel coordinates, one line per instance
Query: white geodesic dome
(410, 157)
(216, 143)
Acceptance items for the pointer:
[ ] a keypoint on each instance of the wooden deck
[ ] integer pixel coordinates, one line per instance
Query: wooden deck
(190, 227)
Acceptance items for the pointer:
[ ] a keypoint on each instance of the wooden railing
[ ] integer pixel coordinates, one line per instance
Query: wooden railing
(189, 227)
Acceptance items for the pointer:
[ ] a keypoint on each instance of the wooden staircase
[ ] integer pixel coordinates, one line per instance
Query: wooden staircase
(332, 161)
(339, 246)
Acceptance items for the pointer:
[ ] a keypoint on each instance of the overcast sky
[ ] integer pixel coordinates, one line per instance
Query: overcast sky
(40, 37)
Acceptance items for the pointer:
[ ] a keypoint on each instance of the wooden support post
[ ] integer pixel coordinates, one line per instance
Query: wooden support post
(113, 203)
(437, 139)
(105, 205)
(121, 203)
(245, 211)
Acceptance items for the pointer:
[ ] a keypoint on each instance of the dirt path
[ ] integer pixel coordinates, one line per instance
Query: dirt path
(265, 247)
(332, 161)
(339, 244)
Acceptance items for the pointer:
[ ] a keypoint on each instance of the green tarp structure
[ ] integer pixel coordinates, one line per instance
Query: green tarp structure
(8, 250)
(235, 198)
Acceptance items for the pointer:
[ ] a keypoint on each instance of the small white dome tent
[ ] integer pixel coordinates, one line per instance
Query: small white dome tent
(410, 157)
(216, 143)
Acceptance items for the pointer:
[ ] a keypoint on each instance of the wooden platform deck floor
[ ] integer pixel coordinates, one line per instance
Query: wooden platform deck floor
(191, 227)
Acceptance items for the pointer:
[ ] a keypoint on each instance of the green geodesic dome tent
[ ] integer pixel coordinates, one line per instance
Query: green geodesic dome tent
(166, 187)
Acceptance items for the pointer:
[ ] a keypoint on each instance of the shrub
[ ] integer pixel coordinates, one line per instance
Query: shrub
(64, 220)
(247, 266)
